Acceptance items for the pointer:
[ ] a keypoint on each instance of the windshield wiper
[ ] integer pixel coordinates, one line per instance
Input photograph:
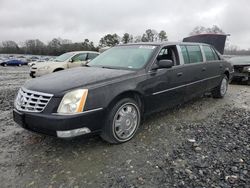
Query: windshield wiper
(104, 67)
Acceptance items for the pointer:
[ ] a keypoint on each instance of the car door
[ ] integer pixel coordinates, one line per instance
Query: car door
(195, 68)
(214, 67)
(166, 87)
(77, 60)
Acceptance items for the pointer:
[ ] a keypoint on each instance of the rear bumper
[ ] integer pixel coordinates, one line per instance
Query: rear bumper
(59, 125)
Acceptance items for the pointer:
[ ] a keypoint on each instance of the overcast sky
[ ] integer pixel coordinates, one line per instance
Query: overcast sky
(80, 19)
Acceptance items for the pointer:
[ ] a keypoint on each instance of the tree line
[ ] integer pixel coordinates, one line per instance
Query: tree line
(59, 46)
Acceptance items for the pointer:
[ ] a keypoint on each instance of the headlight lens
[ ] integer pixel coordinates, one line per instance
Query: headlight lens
(44, 68)
(246, 69)
(73, 102)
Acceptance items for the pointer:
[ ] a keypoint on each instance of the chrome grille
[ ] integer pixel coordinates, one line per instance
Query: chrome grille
(31, 101)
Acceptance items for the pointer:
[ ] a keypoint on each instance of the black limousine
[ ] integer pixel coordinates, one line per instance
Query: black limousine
(111, 94)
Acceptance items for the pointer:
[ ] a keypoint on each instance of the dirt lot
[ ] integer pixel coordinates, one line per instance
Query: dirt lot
(204, 143)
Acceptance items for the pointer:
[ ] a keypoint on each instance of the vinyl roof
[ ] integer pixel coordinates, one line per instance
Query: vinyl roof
(160, 43)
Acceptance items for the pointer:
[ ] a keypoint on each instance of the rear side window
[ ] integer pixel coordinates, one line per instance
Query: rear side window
(209, 54)
(194, 53)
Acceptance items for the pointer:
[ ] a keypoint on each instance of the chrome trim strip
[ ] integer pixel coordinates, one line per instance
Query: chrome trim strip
(163, 91)
(37, 92)
(84, 112)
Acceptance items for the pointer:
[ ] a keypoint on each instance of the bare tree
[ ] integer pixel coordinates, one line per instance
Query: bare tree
(207, 30)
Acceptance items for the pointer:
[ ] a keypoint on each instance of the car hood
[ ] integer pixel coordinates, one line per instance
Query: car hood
(59, 82)
(242, 61)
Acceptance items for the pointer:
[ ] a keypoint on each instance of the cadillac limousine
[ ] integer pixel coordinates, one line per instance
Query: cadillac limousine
(111, 94)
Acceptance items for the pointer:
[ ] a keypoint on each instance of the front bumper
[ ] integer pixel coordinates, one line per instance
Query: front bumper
(37, 73)
(241, 75)
(63, 126)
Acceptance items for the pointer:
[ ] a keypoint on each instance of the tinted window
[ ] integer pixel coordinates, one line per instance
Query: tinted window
(79, 57)
(92, 55)
(169, 53)
(215, 54)
(209, 54)
(185, 54)
(194, 53)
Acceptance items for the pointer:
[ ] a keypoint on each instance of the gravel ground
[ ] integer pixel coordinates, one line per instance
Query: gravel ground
(204, 143)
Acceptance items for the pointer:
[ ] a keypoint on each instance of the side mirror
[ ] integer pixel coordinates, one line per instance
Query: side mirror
(71, 61)
(163, 64)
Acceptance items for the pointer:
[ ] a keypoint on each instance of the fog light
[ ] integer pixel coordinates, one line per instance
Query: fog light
(72, 133)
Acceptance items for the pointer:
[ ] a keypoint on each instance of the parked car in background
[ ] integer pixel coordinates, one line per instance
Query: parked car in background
(33, 58)
(13, 62)
(111, 95)
(241, 66)
(62, 62)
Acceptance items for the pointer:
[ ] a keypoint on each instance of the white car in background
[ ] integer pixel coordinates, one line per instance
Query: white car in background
(62, 62)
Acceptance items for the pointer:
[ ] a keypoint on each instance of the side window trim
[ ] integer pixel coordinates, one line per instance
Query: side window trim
(181, 59)
(203, 54)
(215, 53)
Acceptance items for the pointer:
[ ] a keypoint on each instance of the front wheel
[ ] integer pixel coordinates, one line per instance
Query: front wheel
(221, 90)
(122, 121)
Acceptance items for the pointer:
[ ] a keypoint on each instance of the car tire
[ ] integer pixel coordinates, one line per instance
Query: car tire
(122, 121)
(5, 65)
(19, 65)
(221, 90)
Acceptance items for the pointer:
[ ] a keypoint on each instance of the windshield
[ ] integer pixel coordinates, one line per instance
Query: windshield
(240, 60)
(127, 57)
(64, 57)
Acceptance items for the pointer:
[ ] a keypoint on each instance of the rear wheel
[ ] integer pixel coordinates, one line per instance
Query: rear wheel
(5, 65)
(221, 90)
(122, 121)
(19, 65)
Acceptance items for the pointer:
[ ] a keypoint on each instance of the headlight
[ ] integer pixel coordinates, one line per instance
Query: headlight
(44, 68)
(246, 69)
(73, 102)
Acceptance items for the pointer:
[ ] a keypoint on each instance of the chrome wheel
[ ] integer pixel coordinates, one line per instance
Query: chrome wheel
(126, 121)
(223, 87)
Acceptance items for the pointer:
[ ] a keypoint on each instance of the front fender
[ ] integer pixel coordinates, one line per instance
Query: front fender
(101, 97)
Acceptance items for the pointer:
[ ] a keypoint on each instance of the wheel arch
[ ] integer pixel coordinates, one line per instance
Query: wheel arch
(58, 69)
(136, 95)
(227, 73)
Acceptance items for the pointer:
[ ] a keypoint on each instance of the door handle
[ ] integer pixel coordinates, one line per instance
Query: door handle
(204, 69)
(179, 74)
(221, 65)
